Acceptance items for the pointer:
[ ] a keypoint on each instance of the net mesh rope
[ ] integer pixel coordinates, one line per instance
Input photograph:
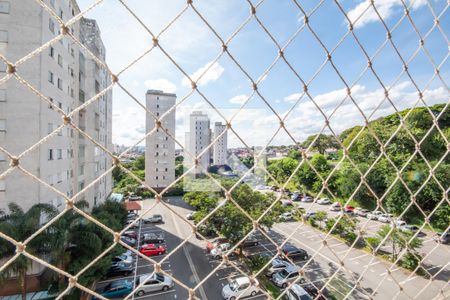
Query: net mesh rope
(13, 73)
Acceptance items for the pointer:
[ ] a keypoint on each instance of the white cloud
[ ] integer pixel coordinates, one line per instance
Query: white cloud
(161, 84)
(386, 8)
(292, 98)
(214, 72)
(239, 99)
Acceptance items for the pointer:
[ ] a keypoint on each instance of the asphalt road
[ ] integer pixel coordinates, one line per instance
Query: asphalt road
(190, 264)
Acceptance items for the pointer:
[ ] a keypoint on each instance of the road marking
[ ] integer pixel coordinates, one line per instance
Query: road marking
(358, 257)
(384, 273)
(438, 266)
(406, 280)
(189, 259)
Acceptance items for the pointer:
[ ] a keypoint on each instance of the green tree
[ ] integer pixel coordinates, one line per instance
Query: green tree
(322, 143)
(320, 217)
(19, 225)
(282, 169)
(398, 240)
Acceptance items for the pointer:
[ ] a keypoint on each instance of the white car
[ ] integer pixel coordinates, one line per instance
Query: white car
(399, 223)
(276, 266)
(307, 199)
(385, 218)
(336, 206)
(239, 287)
(374, 215)
(296, 292)
(220, 250)
(287, 216)
(153, 283)
(324, 201)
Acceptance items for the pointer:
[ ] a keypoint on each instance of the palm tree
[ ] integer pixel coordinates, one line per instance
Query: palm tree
(20, 225)
(63, 235)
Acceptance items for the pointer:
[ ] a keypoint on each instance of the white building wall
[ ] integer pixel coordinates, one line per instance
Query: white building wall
(160, 148)
(199, 139)
(28, 118)
(221, 144)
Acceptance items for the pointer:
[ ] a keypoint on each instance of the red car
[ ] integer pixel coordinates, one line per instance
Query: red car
(215, 243)
(151, 249)
(349, 209)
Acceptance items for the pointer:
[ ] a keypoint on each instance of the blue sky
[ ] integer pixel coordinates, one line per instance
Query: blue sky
(194, 47)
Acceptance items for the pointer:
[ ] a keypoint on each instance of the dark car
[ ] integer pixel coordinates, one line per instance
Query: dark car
(152, 238)
(293, 252)
(250, 242)
(295, 196)
(115, 289)
(130, 234)
(316, 293)
(129, 241)
(119, 269)
(154, 219)
(442, 237)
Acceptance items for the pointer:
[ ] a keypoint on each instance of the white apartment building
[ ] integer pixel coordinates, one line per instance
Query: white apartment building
(96, 119)
(198, 139)
(220, 145)
(25, 118)
(159, 147)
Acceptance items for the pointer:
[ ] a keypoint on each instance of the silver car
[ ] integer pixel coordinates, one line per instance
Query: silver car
(287, 275)
(153, 283)
(277, 265)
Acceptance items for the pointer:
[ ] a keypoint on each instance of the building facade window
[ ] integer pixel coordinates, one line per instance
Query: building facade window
(50, 128)
(2, 125)
(59, 154)
(51, 102)
(3, 36)
(51, 25)
(60, 84)
(60, 60)
(2, 95)
(50, 77)
(50, 154)
(2, 186)
(4, 7)
(51, 52)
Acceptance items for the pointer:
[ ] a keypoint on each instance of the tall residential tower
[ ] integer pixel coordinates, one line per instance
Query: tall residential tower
(66, 77)
(220, 145)
(159, 147)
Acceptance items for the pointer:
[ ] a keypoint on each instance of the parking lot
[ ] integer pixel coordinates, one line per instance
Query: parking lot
(191, 264)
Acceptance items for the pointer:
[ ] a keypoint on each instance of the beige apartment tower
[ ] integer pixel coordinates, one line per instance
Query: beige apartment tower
(160, 145)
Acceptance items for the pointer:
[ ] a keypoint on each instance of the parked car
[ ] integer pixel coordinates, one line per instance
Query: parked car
(374, 215)
(362, 212)
(385, 218)
(130, 233)
(152, 238)
(296, 292)
(336, 206)
(129, 241)
(287, 275)
(120, 269)
(153, 283)
(124, 258)
(399, 223)
(309, 214)
(413, 229)
(213, 244)
(134, 223)
(239, 287)
(307, 199)
(115, 289)
(287, 216)
(134, 198)
(442, 237)
(349, 209)
(324, 201)
(154, 219)
(132, 216)
(152, 249)
(285, 203)
(295, 196)
(277, 264)
(293, 252)
(250, 242)
(190, 216)
(220, 250)
(316, 293)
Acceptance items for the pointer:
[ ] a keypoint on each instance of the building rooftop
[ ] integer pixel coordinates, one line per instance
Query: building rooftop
(159, 92)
